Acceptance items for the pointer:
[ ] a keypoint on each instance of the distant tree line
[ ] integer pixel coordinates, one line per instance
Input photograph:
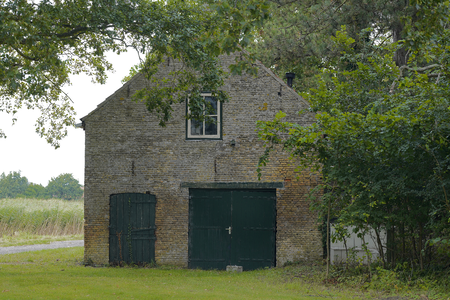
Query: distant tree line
(64, 186)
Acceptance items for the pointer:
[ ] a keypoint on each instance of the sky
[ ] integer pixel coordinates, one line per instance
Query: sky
(23, 150)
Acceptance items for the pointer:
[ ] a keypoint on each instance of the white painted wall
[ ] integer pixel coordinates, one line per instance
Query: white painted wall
(338, 253)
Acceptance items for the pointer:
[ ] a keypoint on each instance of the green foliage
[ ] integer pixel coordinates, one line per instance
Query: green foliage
(65, 187)
(42, 43)
(381, 137)
(220, 27)
(36, 191)
(12, 185)
(297, 37)
(134, 70)
(403, 279)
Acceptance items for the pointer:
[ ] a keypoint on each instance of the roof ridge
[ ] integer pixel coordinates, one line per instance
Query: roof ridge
(138, 75)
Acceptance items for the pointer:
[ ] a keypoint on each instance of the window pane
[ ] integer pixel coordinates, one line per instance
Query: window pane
(196, 127)
(211, 126)
(213, 103)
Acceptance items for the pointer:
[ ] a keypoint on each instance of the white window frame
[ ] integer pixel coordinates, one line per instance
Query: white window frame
(204, 135)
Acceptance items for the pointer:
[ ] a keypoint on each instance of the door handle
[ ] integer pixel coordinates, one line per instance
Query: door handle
(229, 230)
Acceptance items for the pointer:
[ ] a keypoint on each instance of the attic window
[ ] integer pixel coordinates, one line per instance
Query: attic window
(210, 127)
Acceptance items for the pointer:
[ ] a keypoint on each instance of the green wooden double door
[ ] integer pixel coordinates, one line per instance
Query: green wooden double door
(232, 227)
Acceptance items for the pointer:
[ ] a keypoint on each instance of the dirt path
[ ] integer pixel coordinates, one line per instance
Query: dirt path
(53, 245)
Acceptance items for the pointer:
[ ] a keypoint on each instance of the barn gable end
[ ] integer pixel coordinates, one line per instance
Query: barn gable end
(127, 152)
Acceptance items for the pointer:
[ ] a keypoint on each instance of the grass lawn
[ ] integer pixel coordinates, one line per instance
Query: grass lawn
(23, 239)
(59, 274)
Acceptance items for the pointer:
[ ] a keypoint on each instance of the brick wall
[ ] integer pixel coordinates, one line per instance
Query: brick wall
(127, 151)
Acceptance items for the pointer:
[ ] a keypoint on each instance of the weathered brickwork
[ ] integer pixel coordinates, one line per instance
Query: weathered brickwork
(127, 151)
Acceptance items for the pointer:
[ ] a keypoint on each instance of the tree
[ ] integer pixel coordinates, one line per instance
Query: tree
(42, 43)
(35, 191)
(381, 137)
(65, 187)
(297, 38)
(12, 185)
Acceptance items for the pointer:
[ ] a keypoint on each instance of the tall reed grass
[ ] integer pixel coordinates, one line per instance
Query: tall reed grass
(53, 217)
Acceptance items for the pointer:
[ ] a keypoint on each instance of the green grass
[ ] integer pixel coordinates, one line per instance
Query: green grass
(59, 274)
(23, 239)
(32, 221)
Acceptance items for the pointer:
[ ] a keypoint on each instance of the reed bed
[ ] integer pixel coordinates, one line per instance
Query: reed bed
(53, 217)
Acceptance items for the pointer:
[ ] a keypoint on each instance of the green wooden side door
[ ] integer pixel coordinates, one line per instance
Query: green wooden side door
(132, 228)
(254, 229)
(209, 241)
(232, 227)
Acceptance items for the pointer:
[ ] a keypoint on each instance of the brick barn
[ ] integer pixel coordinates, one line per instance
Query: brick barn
(188, 194)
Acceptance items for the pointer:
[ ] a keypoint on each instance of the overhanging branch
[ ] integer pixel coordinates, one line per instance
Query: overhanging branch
(422, 69)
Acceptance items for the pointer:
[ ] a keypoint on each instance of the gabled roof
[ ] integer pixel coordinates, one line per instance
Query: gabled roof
(291, 90)
(138, 76)
(113, 95)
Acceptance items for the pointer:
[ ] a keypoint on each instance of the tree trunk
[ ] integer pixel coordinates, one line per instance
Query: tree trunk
(380, 247)
(399, 55)
(393, 248)
(402, 232)
(366, 249)
(328, 237)
(413, 248)
(346, 253)
(420, 245)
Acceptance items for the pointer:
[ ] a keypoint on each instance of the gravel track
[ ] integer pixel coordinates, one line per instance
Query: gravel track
(53, 245)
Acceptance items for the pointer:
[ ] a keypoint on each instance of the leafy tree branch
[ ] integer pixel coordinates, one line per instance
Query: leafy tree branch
(383, 149)
(42, 43)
